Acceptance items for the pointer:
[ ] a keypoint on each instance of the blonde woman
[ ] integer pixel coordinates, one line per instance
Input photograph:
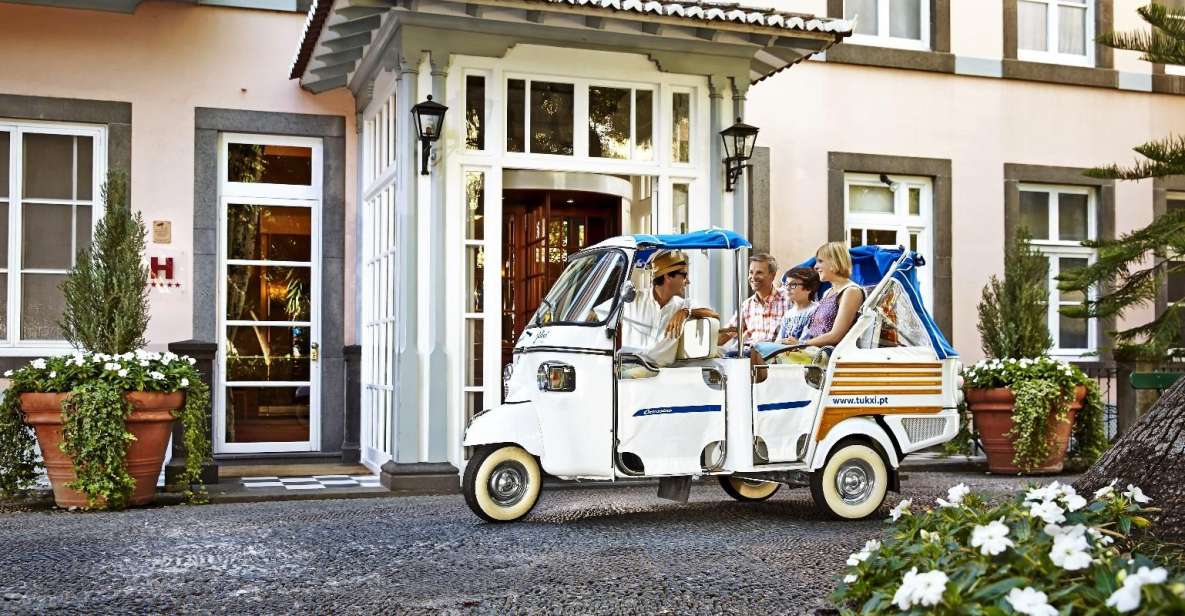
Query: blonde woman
(837, 309)
(835, 313)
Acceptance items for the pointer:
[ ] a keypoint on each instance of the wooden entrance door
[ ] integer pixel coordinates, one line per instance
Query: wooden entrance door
(540, 228)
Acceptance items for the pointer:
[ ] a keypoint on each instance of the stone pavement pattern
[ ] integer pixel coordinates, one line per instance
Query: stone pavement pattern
(609, 551)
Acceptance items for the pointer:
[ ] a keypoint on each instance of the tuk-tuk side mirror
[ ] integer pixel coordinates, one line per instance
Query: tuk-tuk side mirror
(628, 292)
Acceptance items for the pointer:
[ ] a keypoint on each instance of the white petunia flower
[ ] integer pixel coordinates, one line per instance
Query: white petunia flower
(143, 363)
(1106, 491)
(1030, 601)
(1074, 502)
(53, 374)
(1136, 495)
(991, 539)
(156, 376)
(924, 589)
(1070, 551)
(122, 372)
(901, 509)
(184, 383)
(1127, 597)
(849, 578)
(957, 493)
(8, 373)
(1151, 576)
(1048, 511)
(38, 363)
(191, 360)
(1044, 493)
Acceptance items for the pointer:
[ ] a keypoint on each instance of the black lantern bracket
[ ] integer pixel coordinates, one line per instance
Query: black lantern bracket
(429, 117)
(739, 140)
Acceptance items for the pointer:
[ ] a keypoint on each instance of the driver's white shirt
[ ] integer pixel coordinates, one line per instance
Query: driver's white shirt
(644, 325)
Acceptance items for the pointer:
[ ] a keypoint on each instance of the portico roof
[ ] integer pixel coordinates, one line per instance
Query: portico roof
(338, 33)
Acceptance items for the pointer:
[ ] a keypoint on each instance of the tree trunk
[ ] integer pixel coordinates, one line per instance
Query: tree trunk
(1150, 455)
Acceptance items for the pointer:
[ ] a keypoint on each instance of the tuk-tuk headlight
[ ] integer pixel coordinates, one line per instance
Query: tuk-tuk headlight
(556, 376)
(507, 372)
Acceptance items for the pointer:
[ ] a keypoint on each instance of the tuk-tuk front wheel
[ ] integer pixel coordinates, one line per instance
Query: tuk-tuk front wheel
(502, 483)
(852, 484)
(748, 490)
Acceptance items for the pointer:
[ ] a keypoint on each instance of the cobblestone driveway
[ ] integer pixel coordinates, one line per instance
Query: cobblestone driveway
(618, 550)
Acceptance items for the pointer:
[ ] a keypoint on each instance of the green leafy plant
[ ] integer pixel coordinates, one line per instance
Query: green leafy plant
(1047, 551)
(1043, 389)
(1012, 311)
(106, 314)
(106, 294)
(93, 418)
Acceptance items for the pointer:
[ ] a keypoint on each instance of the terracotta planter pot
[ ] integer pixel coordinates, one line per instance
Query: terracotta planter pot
(992, 411)
(151, 422)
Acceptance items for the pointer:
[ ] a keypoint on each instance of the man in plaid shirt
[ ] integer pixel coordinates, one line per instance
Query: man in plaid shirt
(760, 314)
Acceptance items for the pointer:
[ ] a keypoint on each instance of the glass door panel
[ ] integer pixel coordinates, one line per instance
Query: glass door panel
(270, 348)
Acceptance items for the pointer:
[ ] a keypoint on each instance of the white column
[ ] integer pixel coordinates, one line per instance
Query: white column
(406, 426)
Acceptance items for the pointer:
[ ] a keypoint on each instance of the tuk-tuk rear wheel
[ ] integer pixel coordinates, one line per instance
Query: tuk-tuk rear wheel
(852, 485)
(748, 490)
(502, 483)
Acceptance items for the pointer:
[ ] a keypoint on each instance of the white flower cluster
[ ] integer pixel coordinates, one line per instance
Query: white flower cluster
(954, 496)
(990, 367)
(869, 547)
(901, 509)
(120, 363)
(1127, 598)
(1031, 602)
(991, 539)
(924, 589)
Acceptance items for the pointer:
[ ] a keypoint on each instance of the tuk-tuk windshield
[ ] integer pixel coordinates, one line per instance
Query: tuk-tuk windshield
(589, 280)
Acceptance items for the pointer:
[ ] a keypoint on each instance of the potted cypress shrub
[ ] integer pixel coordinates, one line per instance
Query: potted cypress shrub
(1024, 404)
(103, 415)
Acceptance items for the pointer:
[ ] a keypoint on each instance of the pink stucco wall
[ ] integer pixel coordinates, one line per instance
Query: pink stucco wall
(167, 59)
(978, 123)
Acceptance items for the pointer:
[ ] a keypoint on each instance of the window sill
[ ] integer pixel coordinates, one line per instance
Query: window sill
(1164, 83)
(1060, 73)
(891, 57)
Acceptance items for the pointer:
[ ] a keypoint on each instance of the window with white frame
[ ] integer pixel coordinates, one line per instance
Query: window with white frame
(1056, 31)
(890, 23)
(1058, 219)
(895, 210)
(474, 303)
(379, 261)
(1175, 283)
(50, 176)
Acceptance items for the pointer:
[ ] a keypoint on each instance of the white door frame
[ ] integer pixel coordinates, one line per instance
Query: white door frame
(274, 195)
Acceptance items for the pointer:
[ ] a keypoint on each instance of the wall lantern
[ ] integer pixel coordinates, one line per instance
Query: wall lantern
(429, 117)
(739, 140)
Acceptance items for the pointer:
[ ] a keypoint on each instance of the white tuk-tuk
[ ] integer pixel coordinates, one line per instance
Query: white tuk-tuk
(841, 425)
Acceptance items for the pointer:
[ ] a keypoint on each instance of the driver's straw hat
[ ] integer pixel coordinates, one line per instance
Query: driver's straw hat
(668, 262)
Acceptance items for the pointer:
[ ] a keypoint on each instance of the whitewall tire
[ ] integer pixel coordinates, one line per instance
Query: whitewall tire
(502, 483)
(748, 490)
(852, 485)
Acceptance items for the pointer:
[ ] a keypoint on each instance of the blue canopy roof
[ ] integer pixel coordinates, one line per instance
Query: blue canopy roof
(705, 239)
(870, 264)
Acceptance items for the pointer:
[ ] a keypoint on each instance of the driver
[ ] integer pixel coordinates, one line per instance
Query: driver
(653, 322)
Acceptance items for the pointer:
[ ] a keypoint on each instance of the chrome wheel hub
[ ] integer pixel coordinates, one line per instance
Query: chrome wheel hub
(508, 483)
(855, 482)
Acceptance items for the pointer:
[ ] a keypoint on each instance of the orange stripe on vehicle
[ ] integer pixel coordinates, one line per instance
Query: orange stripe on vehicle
(883, 392)
(856, 380)
(882, 374)
(869, 364)
(832, 415)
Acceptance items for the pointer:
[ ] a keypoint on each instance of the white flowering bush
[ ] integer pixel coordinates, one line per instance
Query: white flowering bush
(93, 431)
(1039, 386)
(1049, 551)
